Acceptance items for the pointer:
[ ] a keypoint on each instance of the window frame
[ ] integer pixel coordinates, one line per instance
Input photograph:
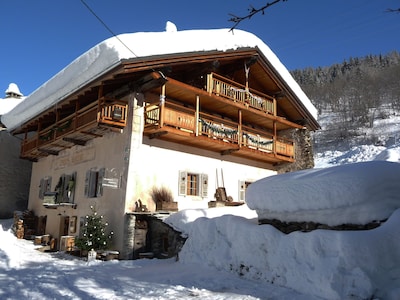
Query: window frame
(200, 188)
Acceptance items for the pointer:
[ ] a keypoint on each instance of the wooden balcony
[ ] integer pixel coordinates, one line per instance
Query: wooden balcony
(77, 129)
(179, 124)
(236, 92)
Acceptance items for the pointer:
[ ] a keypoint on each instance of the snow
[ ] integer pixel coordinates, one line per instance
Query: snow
(229, 256)
(8, 103)
(26, 273)
(357, 193)
(106, 55)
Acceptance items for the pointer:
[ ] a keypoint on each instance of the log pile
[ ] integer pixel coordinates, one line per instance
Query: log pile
(24, 224)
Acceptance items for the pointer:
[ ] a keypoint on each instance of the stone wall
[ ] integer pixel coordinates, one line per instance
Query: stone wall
(15, 175)
(288, 227)
(304, 154)
(146, 235)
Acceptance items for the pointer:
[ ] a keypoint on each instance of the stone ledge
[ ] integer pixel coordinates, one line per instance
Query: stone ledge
(288, 227)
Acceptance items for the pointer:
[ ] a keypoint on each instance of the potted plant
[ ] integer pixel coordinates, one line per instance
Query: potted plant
(163, 198)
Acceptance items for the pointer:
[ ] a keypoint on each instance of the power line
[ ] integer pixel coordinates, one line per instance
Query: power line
(107, 27)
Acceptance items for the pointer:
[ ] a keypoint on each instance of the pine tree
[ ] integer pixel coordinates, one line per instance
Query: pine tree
(93, 233)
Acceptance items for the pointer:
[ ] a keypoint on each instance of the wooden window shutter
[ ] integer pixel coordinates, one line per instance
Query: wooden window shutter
(204, 185)
(45, 186)
(87, 183)
(99, 191)
(242, 190)
(42, 188)
(48, 184)
(182, 183)
(71, 188)
(60, 189)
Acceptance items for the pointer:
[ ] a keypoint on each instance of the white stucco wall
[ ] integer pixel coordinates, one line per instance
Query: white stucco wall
(105, 152)
(154, 162)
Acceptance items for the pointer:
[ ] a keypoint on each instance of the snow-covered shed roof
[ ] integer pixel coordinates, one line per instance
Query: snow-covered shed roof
(12, 99)
(108, 54)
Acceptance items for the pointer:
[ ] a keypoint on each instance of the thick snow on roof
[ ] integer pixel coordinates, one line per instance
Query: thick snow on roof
(107, 54)
(13, 89)
(355, 193)
(8, 103)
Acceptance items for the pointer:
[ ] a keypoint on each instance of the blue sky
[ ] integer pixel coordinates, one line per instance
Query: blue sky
(39, 38)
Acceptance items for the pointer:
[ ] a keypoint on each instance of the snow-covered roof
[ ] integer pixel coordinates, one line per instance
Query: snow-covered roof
(8, 103)
(13, 89)
(106, 55)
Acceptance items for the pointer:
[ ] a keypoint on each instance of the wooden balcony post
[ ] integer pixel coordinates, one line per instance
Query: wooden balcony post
(274, 106)
(162, 106)
(197, 113)
(275, 137)
(240, 128)
(209, 83)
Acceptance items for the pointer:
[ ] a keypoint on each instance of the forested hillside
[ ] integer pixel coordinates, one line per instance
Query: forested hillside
(352, 98)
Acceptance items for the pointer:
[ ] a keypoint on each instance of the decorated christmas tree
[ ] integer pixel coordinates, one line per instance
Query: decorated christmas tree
(93, 233)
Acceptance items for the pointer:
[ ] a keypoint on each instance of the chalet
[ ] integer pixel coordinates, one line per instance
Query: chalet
(189, 112)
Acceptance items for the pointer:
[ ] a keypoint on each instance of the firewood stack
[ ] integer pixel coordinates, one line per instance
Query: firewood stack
(24, 224)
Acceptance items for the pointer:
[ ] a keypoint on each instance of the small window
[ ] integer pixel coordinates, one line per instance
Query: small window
(193, 184)
(94, 183)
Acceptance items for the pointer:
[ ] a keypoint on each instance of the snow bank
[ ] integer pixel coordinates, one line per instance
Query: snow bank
(356, 193)
(108, 54)
(324, 263)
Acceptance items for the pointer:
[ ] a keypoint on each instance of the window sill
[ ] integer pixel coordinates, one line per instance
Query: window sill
(55, 205)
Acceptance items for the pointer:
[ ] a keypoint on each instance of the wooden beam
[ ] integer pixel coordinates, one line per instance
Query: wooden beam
(157, 134)
(229, 151)
(49, 151)
(75, 141)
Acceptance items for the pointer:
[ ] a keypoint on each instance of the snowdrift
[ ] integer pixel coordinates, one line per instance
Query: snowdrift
(357, 193)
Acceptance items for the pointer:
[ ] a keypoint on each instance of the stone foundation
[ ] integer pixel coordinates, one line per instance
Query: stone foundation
(288, 227)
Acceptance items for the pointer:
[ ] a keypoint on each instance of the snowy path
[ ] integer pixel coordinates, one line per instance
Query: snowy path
(26, 273)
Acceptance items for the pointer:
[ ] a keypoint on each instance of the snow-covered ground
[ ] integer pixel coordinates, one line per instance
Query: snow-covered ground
(229, 256)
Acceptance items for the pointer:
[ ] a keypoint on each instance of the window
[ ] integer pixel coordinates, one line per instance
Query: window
(65, 188)
(94, 183)
(193, 184)
(44, 187)
(242, 189)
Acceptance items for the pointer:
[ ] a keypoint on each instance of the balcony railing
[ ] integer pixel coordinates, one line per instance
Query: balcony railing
(64, 132)
(224, 87)
(214, 128)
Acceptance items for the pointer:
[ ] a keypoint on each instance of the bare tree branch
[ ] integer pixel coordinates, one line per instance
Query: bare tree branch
(252, 11)
(397, 10)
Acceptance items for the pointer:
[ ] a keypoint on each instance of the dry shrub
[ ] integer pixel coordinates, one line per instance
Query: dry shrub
(161, 194)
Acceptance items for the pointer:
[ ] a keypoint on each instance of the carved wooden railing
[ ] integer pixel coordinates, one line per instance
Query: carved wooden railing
(114, 115)
(224, 87)
(214, 128)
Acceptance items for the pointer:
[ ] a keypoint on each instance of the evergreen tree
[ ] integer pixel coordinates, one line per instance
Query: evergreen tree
(93, 233)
